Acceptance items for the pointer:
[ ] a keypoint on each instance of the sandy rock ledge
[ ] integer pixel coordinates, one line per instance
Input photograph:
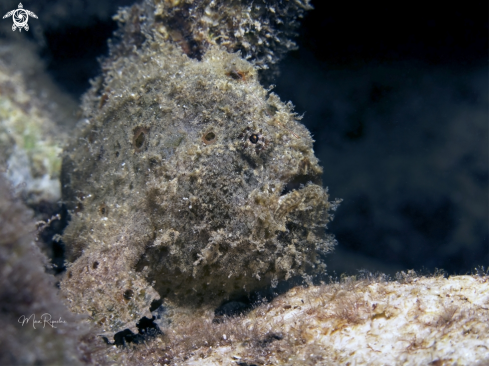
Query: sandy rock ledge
(412, 321)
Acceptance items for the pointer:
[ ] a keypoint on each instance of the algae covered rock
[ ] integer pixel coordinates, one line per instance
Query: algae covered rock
(32, 111)
(370, 320)
(187, 180)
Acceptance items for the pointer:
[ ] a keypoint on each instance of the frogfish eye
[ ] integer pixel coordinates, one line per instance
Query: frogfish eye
(254, 138)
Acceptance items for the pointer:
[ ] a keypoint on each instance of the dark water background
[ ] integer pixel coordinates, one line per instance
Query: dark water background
(396, 97)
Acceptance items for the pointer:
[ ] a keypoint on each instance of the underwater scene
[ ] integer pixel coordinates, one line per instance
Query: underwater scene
(243, 182)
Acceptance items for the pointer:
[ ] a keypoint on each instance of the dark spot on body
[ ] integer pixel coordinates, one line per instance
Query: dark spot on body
(209, 138)
(154, 161)
(92, 136)
(254, 138)
(128, 294)
(139, 140)
(140, 137)
(103, 209)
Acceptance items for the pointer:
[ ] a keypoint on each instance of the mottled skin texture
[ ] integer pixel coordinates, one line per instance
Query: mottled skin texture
(262, 30)
(189, 181)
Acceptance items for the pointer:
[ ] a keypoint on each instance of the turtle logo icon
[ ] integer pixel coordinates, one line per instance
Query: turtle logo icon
(20, 17)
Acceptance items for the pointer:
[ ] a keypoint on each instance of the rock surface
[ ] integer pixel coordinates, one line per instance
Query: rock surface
(412, 321)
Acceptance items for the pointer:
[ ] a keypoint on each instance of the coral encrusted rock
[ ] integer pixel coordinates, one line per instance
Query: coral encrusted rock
(187, 179)
(32, 115)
